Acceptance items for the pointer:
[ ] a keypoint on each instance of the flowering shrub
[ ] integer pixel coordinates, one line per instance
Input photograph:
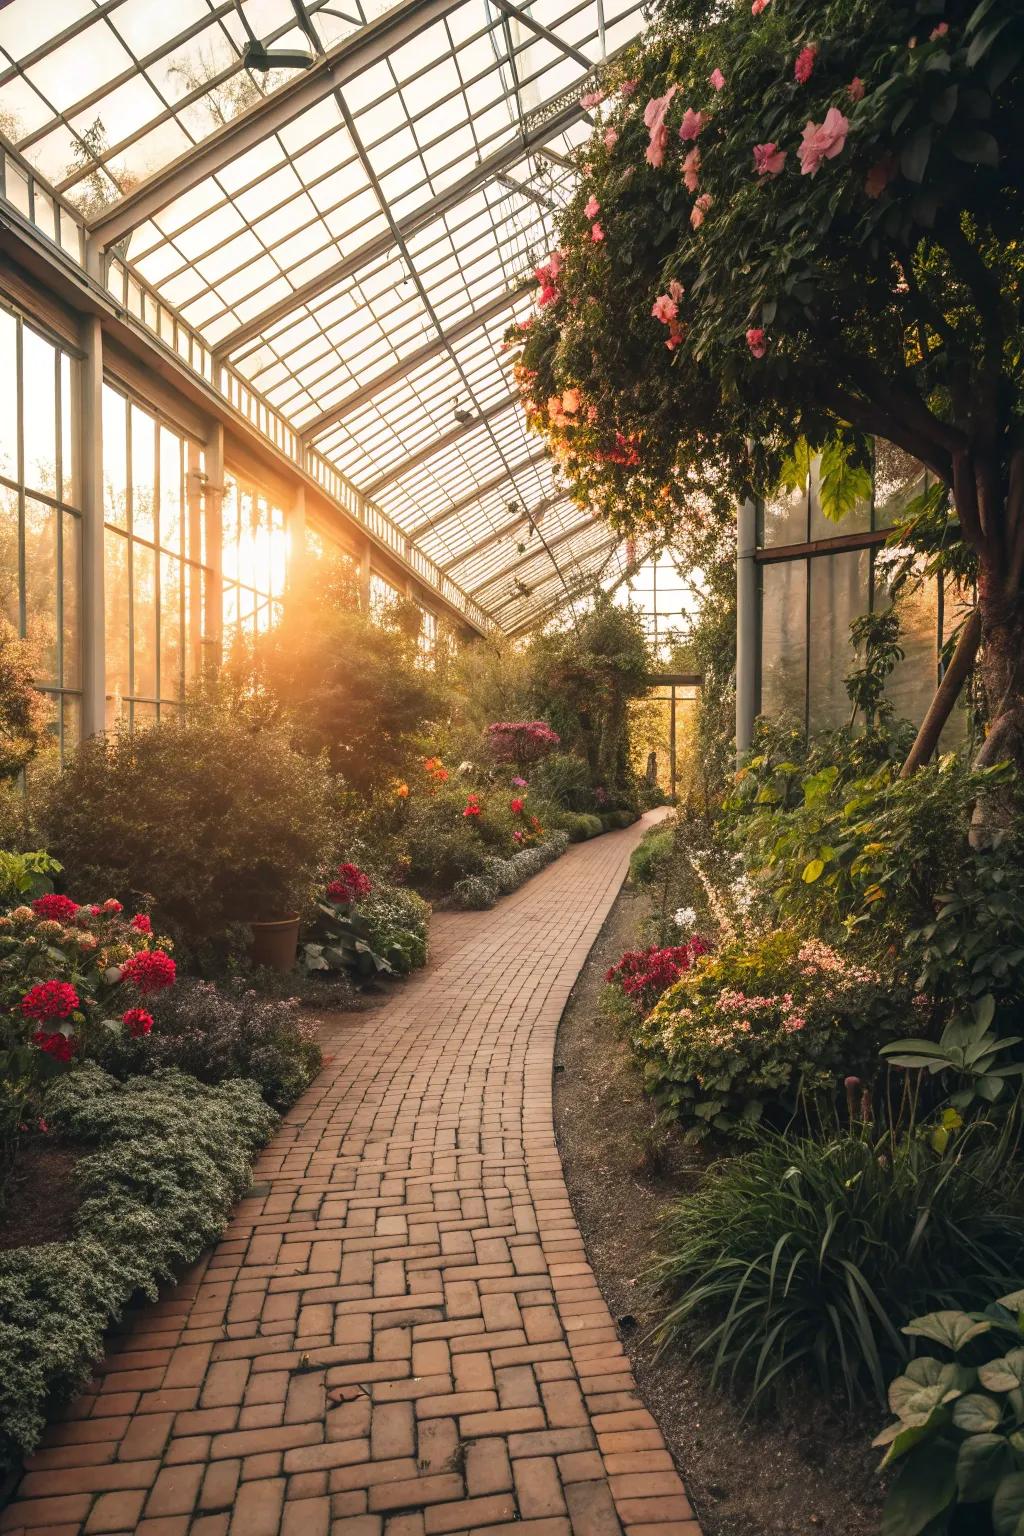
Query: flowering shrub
(758, 1029)
(351, 885)
(520, 741)
(643, 975)
(366, 931)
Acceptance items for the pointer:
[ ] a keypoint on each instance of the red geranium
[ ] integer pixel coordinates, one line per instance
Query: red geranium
(351, 885)
(472, 808)
(151, 970)
(141, 923)
(50, 1000)
(644, 974)
(137, 1022)
(58, 909)
(59, 1046)
(516, 806)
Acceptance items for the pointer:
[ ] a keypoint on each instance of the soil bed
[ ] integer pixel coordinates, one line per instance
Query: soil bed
(39, 1196)
(806, 1469)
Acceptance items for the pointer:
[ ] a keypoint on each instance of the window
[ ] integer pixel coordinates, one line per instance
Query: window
(254, 553)
(40, 514)
(382, 596)
(155, 571)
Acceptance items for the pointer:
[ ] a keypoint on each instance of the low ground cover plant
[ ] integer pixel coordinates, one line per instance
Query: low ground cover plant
(163, 1160)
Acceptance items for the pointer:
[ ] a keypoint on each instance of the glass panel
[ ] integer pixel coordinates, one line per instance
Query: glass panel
(915, 678)
(839, 594)
(857, 520)
(8, 395)
(784, 640)
(41, 587)
(144, 621)
(170, 627)
(784, 519)
(898, 479)
(10, 560)
(116, 613)
(170, 490)
(115, 458)
(39, 423)
(229, 529)
(143, 475)
(72, 708)
(69, 430)
(71, 589)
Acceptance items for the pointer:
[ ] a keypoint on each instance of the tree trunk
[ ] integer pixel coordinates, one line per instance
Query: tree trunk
(947, 693)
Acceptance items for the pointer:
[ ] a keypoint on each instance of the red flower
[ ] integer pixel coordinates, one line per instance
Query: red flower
(351, 885)
(141, 923)
(803, 69)
(50, 1000)
(111, 907)
(472, 808)
(137, 1022)
(58, 909)
(516, 806)
(151, 971)
(59, 1046)
(644, 974)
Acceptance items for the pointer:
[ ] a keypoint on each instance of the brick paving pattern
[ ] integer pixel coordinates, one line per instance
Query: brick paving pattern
(399, 1333)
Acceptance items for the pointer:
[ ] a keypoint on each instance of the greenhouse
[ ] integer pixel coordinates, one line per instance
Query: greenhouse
(511, 734)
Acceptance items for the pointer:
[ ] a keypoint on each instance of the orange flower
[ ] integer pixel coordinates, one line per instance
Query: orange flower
(402, 791)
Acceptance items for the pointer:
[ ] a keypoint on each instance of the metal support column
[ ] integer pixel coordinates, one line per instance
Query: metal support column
(364, 576)
(94, 683)
(672, 743)
(297, 538)
(746, 626)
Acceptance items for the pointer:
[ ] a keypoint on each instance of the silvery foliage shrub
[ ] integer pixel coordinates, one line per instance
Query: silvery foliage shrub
(473, 894)
(165, 1159)
(501, 874)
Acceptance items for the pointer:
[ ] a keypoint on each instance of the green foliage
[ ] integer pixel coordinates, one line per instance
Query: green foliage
(398, 921)
(342, 683)
(958, 1440)
(973, 945)
(24, 712)
(877, 635)
(764, 1029)
(969, 1051)
(802, 1256)
(652, 855)
(214, 817)
(580, 826)
(23, 876)
(564, 778)
(219, 1033)
(443, 847)
(498, 877)
(165, 1159)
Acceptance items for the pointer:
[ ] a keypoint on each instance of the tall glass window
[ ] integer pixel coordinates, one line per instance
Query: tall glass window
(382, 596)
(155, 577)
(40, 513)
(254, 554)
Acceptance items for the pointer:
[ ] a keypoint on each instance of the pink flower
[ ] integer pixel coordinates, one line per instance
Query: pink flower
(691, 125)
(676, 289)
(593, 208)
(691, 169)
(591, 99)
(665, 309)
(717, 79)
(611, 138)
(793, 1023)
(627, 88)
(654, 120)
(855, 89)
(823, 141)
(939, 31)
(757, 341)
(803, 69)
(676, 336)
(570, 401)
(768, 159)
(596, 234)
(759, 6)
(699, 209)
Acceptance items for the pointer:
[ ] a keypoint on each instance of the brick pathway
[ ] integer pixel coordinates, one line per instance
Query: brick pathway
(399, 1334)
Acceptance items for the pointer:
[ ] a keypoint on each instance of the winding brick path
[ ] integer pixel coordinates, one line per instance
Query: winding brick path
(399, 1334)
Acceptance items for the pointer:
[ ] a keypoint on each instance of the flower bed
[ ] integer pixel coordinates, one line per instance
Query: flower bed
(165, 1158)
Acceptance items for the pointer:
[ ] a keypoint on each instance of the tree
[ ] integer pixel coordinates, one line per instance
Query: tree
(799, 227)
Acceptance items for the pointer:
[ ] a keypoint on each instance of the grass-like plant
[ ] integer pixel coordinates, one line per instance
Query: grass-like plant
(805, 1257)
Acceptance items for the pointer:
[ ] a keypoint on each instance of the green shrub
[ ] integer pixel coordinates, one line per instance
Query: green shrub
(767, 1028)
(958, 1440)
(213, 819)
(398, 920)
(218, 1033)
(803, 1256)
(650, 859)
(579, 826)
(474, 894)
(166, 1158)
(563, 778)
(23, 876)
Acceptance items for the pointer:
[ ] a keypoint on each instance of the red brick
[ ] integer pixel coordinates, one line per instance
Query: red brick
(257, 1510)
(538, 1487)
(116, 1511)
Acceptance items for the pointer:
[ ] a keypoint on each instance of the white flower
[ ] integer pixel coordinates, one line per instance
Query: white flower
(686, 917)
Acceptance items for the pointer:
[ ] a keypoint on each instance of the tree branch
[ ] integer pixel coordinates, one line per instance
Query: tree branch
(946, 695)
(872, 419)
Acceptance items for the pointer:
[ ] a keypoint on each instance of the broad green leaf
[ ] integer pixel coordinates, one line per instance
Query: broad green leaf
(843, 483)
(976, 1414)
(1008, 1506)
(982, 1461)
(1005, 1374)
(923, 1487)
(950, 1327)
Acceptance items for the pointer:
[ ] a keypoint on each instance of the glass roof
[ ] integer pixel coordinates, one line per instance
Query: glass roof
(351, 239)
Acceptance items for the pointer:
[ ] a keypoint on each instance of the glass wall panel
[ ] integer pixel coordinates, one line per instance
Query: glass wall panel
(839, 594)
(912, 683)
(898, 479)
(40, 560)
(254, 555)
(857, 520)
(784, 640)
(784, 519)
(382, 596)
(150, 628)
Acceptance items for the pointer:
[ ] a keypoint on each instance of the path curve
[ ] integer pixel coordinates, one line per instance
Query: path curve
(399, 1333)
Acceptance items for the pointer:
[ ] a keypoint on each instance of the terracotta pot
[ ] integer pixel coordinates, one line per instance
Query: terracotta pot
(276, 944)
